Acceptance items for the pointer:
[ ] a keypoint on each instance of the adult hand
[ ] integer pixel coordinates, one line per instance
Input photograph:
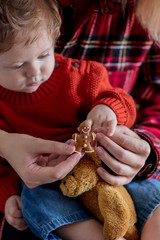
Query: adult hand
(128, 155)
(23, 152)
(13, 213)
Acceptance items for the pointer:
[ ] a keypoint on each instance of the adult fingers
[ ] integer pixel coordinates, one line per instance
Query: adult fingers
(114, 149)
(120, 129)
(111, 179)
(121, 161)
(127, 150)
(53, 156)
(131, 142)
(119, 168)
(70, 142)
(46, 146)
(41, 175)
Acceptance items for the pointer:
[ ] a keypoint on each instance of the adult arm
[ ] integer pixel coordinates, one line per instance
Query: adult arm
(147, 95)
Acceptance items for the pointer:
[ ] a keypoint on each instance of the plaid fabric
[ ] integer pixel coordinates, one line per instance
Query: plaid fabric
(107, 35)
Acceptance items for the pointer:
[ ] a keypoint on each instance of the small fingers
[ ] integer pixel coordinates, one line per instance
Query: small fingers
(111, 127)
(90, 121)
(18, 223)
(95, 124)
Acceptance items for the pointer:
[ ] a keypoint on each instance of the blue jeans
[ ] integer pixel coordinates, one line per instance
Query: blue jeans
(146, 196)
(45, 208)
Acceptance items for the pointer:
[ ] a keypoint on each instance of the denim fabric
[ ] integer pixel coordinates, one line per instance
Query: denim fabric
(45, 209)
(146, 196)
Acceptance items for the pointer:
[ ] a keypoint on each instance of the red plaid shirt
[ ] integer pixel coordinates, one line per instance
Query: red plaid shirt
(106, 34)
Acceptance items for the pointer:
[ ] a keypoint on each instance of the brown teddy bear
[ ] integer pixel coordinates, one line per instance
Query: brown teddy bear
(112, 205)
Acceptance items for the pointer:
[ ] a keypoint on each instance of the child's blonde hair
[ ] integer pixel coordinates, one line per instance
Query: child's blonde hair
(148, 13)
(23, 21)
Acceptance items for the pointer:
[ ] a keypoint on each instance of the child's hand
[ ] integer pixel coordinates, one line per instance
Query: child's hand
(13, 213)
(103, 117)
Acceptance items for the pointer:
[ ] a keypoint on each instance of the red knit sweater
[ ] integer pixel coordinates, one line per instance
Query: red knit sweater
(56, 109)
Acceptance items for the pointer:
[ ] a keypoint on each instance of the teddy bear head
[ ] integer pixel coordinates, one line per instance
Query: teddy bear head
(81, 179)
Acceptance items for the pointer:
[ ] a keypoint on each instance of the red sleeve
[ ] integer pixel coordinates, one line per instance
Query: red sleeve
(9, 183)
(9, 180)
(116, 98)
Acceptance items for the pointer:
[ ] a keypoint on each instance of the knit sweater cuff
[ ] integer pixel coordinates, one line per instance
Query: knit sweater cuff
(9, 187)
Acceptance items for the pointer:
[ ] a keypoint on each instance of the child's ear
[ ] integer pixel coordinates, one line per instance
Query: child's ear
(78, 129)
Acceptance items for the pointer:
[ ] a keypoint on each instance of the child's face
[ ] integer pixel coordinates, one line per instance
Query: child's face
(24, 69)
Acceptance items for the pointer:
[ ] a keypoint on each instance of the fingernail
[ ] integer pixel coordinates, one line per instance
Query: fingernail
(78, 157)
(100, 170)
(99, 136)
(98, 130)
(110, 133)
(69, 147)
(99, 151)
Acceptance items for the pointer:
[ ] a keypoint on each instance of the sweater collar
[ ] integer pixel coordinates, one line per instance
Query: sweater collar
(22, 98)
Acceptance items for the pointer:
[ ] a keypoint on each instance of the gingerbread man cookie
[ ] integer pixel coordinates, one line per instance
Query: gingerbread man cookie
(85, 138)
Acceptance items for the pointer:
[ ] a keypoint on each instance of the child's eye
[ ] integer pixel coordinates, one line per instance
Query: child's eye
(17, 67)
(43, 56)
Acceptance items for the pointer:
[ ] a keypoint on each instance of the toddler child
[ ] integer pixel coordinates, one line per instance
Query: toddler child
(45, 95)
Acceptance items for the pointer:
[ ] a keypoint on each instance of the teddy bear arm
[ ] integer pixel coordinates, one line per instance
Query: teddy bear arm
(115, 212)
(90, 201)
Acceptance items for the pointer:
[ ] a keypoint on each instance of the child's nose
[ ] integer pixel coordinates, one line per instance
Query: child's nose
(33, 70)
